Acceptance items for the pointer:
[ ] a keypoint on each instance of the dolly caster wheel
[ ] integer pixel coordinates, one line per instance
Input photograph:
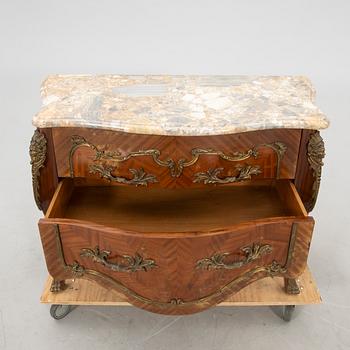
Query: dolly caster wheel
(287, 312)
(60, 311)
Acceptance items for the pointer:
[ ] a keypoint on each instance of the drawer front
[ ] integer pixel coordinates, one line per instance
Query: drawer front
(167, 161)
(174, 273)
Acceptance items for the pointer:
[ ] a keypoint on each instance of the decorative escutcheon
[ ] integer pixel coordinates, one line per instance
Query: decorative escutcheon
(127, 263)
(217, 261)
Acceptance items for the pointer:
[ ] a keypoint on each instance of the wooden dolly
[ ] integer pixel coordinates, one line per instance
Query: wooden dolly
(265, 292)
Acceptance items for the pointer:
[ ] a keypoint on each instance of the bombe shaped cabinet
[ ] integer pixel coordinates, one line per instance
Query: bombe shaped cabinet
(176, 212)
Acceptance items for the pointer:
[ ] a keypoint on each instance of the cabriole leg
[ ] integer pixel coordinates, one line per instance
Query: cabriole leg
(291, 286)
(57, 286)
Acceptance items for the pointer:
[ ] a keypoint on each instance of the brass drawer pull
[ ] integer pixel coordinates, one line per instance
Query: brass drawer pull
(139, 175)
(216, 261)
(127, 263)
(212, 175)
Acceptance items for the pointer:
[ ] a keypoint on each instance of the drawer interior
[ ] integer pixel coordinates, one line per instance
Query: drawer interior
(175, 210)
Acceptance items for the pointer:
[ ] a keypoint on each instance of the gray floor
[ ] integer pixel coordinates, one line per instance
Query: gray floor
(203, 37)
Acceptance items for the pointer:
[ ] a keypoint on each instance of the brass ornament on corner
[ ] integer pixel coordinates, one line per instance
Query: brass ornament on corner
(127, 264)
(37, 152)
(315, 155)
(217, 261)
(175, 168)
(140, 178)
(212, 175)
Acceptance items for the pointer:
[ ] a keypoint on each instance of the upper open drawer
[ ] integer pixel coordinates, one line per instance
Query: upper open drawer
(146, 210)
(168, 161)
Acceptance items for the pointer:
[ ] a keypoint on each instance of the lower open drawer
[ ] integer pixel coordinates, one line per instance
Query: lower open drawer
(176, 251)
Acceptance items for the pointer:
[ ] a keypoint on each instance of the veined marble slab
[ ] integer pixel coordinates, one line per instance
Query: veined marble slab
(179, 105)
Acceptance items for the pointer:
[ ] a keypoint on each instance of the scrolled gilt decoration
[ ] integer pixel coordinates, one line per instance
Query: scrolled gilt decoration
(175, 167)
(127, 264)
(76, 269)
(79, 141)
(176, 171)
(275, 269)
(37, 152)
(212, 175)
(176, 301)
(140, 178)
(315, 155)
(217, 261)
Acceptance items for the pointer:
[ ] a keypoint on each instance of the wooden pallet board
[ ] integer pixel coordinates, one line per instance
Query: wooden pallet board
(268, 291)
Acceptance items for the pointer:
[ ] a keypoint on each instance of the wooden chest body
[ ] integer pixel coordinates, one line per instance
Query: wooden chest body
(176, 223)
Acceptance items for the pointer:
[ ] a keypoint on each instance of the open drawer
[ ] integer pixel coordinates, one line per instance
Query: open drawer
(176, 251)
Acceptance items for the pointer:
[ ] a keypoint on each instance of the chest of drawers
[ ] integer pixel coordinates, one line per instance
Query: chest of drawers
(176, 191)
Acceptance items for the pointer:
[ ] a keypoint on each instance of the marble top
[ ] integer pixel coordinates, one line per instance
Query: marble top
(179, 105)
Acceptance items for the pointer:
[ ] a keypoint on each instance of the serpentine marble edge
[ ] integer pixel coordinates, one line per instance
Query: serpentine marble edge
(179, 105)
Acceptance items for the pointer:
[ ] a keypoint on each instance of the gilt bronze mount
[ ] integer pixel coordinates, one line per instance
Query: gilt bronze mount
(37, 152)
(127, 264)
(218, 260)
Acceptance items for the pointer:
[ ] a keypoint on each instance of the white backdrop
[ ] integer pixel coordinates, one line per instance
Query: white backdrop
(171, 37)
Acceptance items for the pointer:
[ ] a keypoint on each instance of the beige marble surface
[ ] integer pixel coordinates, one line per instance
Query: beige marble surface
(179, 105)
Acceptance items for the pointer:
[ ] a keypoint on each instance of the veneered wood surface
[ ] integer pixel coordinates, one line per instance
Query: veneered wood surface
(176, 148)
(267, 291)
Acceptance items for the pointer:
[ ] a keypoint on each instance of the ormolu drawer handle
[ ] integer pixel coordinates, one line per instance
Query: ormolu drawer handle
(127, 263)
(212, 175)
(216, 261)
(139, 175)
